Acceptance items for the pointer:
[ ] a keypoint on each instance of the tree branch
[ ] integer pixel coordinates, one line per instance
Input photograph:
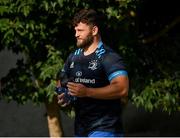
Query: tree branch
(162, 32)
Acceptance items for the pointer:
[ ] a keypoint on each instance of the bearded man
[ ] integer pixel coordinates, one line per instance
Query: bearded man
(99, 82)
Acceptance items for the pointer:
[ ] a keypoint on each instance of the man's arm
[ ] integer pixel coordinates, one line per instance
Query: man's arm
(117, 88)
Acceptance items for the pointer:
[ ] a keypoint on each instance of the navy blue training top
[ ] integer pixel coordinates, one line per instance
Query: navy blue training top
(95, 70)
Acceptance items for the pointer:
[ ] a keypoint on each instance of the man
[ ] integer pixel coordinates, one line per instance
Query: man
(99, 80)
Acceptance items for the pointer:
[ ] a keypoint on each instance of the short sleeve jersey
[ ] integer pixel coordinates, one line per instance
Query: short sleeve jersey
(95, 70)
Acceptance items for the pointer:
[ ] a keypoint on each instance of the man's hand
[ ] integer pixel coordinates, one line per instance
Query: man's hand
(62, 101)
(77, 89)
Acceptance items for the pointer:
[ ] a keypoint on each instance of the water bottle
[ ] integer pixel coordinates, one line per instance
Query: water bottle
(67, 97)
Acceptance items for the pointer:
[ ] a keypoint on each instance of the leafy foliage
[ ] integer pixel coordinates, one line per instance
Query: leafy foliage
(42, 32)
(160, 94)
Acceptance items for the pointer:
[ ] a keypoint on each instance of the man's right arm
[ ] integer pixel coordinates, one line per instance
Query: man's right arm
(61, 81)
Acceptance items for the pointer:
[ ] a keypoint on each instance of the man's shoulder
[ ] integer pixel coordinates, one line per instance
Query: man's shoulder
(109, 52)
(74, 53)
(77, 51)
(108, 49)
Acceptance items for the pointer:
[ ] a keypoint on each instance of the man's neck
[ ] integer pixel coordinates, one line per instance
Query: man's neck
(89, 50)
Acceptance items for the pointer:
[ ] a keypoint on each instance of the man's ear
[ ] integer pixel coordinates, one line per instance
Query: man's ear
(95, 30)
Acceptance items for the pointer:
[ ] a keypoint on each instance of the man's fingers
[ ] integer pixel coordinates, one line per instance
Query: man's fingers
(60, 96)
(71, 93)
(62, 101)
(71, 84)
(64, 105)
(71, 87)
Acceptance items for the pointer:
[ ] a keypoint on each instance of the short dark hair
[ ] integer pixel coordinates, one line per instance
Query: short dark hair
(88, 16)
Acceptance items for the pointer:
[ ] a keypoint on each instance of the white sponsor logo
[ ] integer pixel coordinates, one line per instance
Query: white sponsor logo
(93, 65)
(78, 73)
(84, 80)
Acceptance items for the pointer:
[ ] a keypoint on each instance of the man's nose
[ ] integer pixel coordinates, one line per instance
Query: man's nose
(76, 34)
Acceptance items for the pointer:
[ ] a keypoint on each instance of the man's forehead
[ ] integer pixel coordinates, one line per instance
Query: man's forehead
(82, 25)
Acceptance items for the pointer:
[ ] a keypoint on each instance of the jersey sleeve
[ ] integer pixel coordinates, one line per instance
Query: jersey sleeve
(68, 63)
(114, 66)
(63, 73)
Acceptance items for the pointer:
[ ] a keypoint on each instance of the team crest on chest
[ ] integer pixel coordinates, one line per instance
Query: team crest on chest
(93, 65)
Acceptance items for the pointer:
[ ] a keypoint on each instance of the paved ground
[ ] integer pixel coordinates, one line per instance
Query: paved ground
(21, 120)
(28, 120)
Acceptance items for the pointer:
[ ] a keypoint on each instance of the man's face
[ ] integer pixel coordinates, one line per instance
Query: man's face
(83, 35)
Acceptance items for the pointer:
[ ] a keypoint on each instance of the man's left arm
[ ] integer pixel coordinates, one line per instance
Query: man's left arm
(117, 88)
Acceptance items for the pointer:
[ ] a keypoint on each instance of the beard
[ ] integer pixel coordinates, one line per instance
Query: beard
(84, 43)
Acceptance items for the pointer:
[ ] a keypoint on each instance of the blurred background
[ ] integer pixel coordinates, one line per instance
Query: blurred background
(36, 38)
